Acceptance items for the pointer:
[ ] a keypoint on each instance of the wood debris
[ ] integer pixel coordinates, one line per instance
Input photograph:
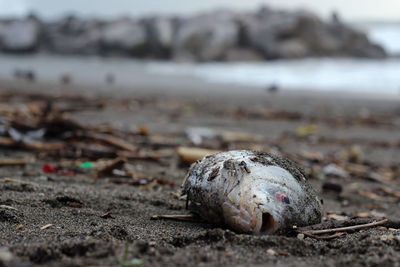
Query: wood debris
(109, 168)
(184, 218)
(339, 231)
(12, 162)
(46, 226)
(191, 154)
(7, 207)
(107, 215)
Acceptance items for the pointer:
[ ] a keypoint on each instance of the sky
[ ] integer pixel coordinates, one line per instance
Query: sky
(351, 10)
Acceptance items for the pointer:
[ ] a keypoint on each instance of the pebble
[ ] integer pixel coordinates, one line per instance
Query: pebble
(386, 238)
(334, 170)
(5, 256)
(43, 178)
(272, 252)
(345, 203)
(300, 236)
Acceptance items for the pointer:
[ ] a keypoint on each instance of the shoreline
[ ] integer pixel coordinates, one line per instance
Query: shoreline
(200, 90)
(311, 76)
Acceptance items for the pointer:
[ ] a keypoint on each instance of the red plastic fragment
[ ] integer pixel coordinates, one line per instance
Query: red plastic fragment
(47, 168)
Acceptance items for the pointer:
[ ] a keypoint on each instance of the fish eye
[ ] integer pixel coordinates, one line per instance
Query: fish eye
(286, 200)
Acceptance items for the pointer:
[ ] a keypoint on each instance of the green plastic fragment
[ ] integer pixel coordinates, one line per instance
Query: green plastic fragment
(86, 165)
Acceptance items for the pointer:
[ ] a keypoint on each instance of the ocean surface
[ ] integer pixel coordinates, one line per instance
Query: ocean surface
(319, 74)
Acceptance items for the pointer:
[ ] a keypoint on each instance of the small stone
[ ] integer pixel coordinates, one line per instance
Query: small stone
(271, 252)
(386, 238)
(332, 186)
(5, 256)
(43, 178)
(144, 130)
(337, 217)
(345, 203)
(228, 254)
(300, 236)
(334, 170)
(142, 246)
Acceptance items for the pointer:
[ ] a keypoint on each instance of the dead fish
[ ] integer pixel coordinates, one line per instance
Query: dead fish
(251, 192)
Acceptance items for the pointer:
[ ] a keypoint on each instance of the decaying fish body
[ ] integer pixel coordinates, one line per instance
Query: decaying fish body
(251, 192)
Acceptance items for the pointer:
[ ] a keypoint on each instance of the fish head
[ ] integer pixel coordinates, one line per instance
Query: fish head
(276, 208)
(271, 208)
(268, 206)
(257, 211)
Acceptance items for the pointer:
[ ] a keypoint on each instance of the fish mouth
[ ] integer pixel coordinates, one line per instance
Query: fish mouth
(267, 223)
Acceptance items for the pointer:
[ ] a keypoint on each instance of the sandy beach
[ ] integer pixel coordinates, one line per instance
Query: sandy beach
(58, 219)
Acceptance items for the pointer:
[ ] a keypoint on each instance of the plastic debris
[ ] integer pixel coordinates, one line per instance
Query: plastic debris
(86, 165)
(334, 170)
(47, 168)
(307, 130)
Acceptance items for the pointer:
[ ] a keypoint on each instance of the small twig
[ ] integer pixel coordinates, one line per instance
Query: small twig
(329, 237)
(184, 218)
(7, 207)
(343, 229)
(107, 215)
(112, 140)
(108, 169)
(46, 226)
(12, 162)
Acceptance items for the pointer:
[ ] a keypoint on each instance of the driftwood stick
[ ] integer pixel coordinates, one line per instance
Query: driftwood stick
(343, 229)
(329, 237)
(12, 162)
(184, 218)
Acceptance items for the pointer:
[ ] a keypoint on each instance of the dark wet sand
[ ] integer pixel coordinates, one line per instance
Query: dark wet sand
(79, 236)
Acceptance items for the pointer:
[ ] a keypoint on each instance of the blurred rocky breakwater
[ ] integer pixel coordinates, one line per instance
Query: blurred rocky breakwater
(220, 35)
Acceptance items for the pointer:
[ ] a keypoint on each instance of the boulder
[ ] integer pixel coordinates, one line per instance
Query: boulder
(160, 35)
(292, 48)
(20, 35)
(242, 54)
(356, 43)
(280, 34)
(206, 37)
(335, 39)
(267, 29)
(124, 36)
(72, 35)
